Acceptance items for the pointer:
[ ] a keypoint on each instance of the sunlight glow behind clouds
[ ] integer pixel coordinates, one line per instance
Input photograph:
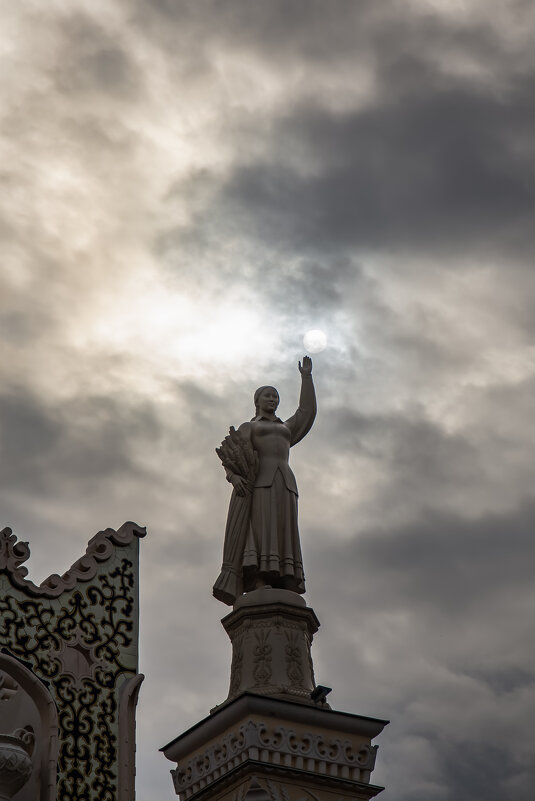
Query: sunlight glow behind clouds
(187, 335)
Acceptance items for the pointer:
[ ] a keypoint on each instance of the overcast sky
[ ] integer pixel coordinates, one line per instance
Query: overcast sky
(187, 188)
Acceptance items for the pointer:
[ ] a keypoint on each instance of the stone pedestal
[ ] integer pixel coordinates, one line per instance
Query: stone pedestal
(271, 632)
(274, 738)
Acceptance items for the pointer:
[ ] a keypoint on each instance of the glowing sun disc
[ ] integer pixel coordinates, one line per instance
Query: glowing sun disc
(315, 341)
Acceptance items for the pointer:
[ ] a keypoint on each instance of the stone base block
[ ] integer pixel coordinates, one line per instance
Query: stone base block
(271, 632)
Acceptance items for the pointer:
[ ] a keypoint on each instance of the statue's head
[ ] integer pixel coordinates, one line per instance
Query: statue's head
(266, 399)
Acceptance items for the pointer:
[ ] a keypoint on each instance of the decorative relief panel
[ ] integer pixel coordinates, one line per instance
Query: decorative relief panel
(313, 752)
(78, 635)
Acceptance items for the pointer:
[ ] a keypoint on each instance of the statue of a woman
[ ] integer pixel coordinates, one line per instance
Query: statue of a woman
(261, 538)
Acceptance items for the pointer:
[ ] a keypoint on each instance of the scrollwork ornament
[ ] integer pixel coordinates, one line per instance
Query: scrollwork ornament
(13, 554)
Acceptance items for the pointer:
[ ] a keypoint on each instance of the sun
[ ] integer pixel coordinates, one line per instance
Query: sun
(315, 340)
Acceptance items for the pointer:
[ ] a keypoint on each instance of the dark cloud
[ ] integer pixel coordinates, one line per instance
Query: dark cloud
(313, 287)
(433, 159)
(447, 564)
(436, 169)
(279, 29)
(477, 769)
(465, 585)
(307, 34)
(503, 680)
(92, 440)
(440, 565)
(93, 60)
(19, 329)
(416, 458)
(86, 440)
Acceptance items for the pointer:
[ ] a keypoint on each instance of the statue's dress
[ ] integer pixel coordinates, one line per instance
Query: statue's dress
(267, 532)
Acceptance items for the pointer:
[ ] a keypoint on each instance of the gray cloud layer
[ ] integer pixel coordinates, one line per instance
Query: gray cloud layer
(188, 188)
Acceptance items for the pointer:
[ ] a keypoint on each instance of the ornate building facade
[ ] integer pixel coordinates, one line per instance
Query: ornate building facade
(69, 677)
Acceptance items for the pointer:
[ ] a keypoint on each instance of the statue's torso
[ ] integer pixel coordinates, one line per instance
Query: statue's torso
(271, 440)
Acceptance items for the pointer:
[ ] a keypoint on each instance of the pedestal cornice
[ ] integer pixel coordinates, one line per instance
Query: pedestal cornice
(247, 704)
(269, 737)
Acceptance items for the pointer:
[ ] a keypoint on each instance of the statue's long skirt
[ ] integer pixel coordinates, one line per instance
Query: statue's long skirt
(272, 547)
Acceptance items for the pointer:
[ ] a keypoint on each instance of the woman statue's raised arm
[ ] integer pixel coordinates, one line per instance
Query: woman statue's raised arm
(301, 422)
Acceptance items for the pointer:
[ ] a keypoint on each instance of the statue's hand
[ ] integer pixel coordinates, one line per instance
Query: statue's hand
(239, 484)
(306, 368)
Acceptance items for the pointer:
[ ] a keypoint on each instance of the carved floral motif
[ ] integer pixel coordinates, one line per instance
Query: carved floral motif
(294, 667)
(262, 657)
